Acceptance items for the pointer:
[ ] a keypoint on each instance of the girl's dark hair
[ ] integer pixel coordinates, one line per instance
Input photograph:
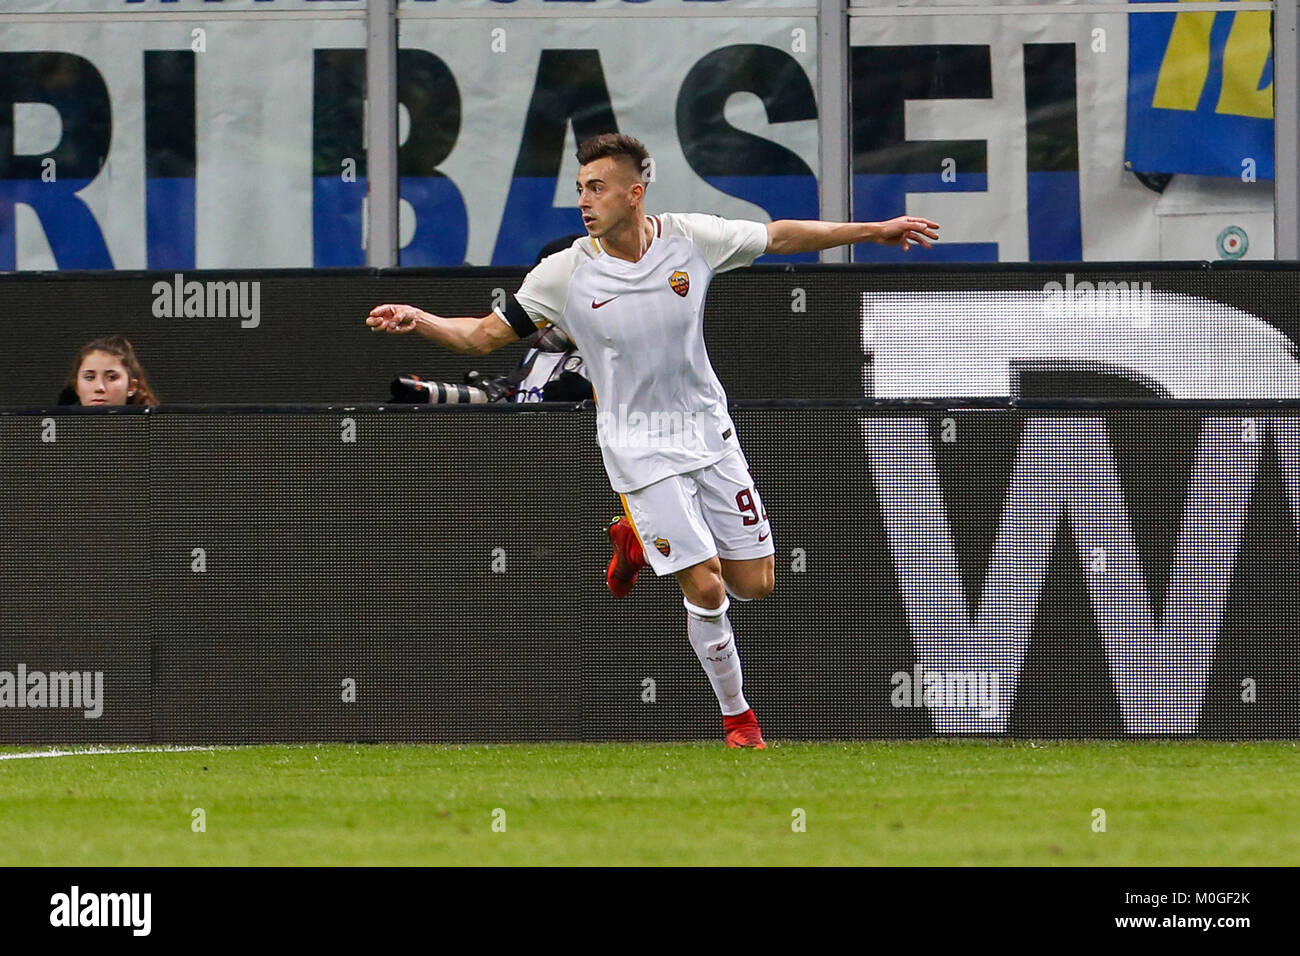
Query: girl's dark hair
(122, 348)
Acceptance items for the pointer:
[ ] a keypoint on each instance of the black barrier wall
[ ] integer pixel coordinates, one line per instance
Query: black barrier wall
(437, 575)
(826, 332)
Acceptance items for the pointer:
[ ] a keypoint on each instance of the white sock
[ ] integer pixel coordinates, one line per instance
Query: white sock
(715, 645)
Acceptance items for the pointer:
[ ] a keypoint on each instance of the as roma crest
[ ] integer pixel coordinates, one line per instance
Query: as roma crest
(662, 543)
(681, 283)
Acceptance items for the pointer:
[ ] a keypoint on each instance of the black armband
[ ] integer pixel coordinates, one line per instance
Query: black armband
(518, 318)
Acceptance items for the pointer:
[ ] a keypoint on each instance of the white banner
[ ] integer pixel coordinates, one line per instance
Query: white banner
(276, 172)
(175, 142)
(482, 8)
(655, 78)
(1023, 198)
(249, 136)
(320, 8)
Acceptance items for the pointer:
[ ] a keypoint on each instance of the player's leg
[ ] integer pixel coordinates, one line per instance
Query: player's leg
(714, 642)
(628, 558)
(668, 520)
(702, 584)
(749, 579)
(746, 563)
(740, 527)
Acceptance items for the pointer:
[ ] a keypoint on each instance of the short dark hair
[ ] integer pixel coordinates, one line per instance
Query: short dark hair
(616, 145)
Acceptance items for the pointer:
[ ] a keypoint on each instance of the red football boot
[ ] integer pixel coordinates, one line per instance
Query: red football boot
(743, 731)
(628, 559)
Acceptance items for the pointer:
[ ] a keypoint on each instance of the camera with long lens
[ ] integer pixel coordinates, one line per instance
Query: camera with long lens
(561, 379)
(478, 389)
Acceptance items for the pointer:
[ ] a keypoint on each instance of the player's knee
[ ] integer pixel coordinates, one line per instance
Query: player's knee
(702, 586)
(751, 580)
(757, 587)
(710, 593)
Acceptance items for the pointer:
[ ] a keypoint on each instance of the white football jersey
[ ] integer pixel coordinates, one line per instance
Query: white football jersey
(640, 328)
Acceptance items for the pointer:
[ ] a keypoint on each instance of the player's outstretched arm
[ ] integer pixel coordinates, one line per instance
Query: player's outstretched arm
(811, 235)
(473, 336)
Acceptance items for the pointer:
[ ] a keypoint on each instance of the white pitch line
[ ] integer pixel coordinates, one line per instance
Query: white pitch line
(100, 752)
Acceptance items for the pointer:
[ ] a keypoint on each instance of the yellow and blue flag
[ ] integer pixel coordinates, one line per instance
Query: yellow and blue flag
(1200, 92)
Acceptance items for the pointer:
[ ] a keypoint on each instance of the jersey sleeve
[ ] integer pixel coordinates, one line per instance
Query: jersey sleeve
(726, 243)
(542, 295)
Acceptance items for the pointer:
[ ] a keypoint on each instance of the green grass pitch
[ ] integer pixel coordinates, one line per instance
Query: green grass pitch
(947, 802)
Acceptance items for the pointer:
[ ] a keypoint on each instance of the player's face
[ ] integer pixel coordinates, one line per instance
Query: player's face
(103, 380)
(607, 194)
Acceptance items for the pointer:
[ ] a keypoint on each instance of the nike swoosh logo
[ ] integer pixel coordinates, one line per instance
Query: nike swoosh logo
(764, 537)
(597, 305)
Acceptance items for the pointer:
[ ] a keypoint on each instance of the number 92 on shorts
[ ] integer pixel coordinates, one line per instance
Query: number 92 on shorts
(686, 519)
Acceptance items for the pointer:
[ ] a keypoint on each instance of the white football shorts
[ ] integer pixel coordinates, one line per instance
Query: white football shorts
(686, 519)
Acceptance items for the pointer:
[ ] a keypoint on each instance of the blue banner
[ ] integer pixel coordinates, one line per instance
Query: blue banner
(1200, 93)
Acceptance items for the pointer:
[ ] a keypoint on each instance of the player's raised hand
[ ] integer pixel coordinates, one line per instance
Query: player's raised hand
(393, 318)
(905, 230)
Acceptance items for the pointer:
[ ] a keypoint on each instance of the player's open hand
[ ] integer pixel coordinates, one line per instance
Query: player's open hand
(393, 318)
(906, 230)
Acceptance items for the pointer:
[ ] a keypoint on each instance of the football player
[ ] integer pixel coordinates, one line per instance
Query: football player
(630, 294)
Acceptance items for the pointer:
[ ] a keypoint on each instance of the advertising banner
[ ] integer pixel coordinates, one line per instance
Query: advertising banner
(773, 332)
(363, 575)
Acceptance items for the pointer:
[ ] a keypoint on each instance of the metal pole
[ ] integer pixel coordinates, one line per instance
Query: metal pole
(381, 133)
(1286, 132)
(833, 92)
